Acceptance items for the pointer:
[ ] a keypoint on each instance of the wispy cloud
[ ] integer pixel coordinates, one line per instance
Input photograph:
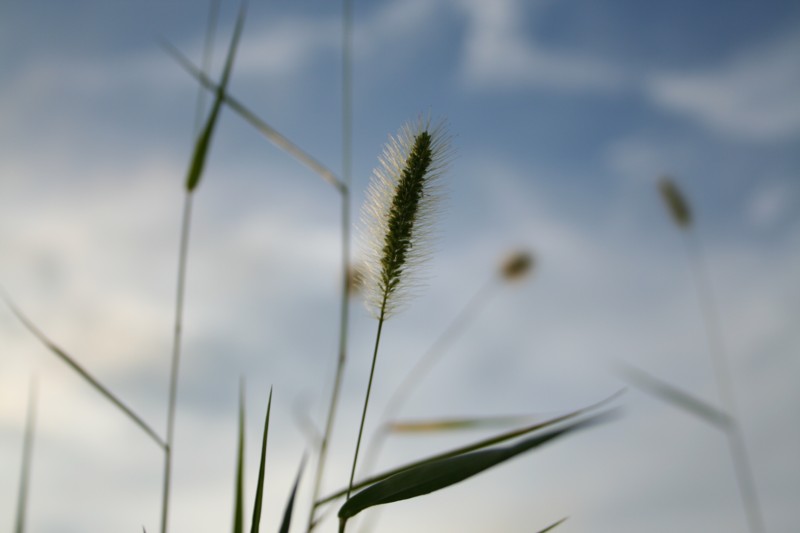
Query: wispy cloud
(498, 53)
(754, 96)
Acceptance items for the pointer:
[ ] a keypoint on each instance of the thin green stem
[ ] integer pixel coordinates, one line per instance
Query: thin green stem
(176, 354)
(27, 456)
(344, 310)
(80, 370)
(366, 398)
(722, 376)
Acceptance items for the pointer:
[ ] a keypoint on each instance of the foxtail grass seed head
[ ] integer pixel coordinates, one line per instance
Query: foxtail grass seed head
(517, 266)
(397, 217)
(676, 203)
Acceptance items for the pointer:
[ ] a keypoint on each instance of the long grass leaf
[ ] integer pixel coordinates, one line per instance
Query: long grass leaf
(456, 424)
(675, 396)
(479, 445)
(27, 458)
(270, 133)
(440, 474)
(204, 139)
(554, 525)
(287, 513)
(260, 487)
(72, 363)
(238, 508)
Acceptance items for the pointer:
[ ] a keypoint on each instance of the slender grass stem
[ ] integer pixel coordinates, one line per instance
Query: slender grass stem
(366, 398)
(722, 376)
(27, 457)
(176, 355)
(344, 308)
(80, 370)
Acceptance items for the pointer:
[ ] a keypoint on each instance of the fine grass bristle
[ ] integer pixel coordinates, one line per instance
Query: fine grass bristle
(517, 266)
(675, 202)
(402, 199)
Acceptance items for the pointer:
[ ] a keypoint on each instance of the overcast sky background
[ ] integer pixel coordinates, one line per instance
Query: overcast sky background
(564, 114)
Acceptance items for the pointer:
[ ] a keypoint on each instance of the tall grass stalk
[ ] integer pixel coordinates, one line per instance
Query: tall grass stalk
(397, 215)
(203, 135)
(27, 458)
(681, 214)
(344, 309)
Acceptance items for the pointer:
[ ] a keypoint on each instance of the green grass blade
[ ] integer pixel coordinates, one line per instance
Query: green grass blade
(287, 514)
(675, 396)
(485, 443)
(260, 487)
(440, 474)
(456, 424)
(554, 525)
(270, 133)
(238, 509)
(27, 458)
(72, 363)
(204, 139)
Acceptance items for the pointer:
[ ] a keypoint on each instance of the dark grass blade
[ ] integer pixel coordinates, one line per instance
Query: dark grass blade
(485, 443)
(204, 139)
(72, 363)
(440, 474)
(554, 525)
(287, 514)
(260, 487)
(27, 458)
(675, 396)
(238, 508)
(457, 424)
(265, 129)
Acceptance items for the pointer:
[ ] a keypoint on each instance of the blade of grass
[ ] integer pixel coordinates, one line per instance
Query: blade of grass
(456, 424)
(27, 458)
(554, 525)
(204, 140)
(479, 445)
(270, 133)
(72, 363)
(192, 180)
(675, 396)
(254, 527)
(238, 507)
(442, 473)
(287, 514)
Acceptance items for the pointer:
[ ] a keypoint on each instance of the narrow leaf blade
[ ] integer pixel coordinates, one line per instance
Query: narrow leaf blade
(287, 514)
(238, 508)
(440, 474)
(204, 139)
(254, 527)
(27, 458)
(554, 525)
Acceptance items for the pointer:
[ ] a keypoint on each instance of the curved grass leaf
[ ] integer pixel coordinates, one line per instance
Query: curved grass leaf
(260, 487)
(271, 134)
(287, 514)
(440, 474)
(27, 457)
(238, 508)
(675, 396)
(455, 424)
(554, 525)
(204, 139)
(485, 443)
(72, 363)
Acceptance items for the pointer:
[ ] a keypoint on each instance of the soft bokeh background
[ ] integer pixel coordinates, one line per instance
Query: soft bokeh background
(564, 113)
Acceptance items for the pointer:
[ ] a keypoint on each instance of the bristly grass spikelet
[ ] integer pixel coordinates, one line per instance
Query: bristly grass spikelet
(397, 215)
(675, 202)
(401, 202)
(517, 265)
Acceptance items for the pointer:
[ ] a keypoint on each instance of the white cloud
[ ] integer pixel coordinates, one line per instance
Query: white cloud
(498, 54)
(771, 203)
(755, 96)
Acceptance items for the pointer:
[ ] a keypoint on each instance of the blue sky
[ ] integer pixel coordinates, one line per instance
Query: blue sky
(563, 116)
